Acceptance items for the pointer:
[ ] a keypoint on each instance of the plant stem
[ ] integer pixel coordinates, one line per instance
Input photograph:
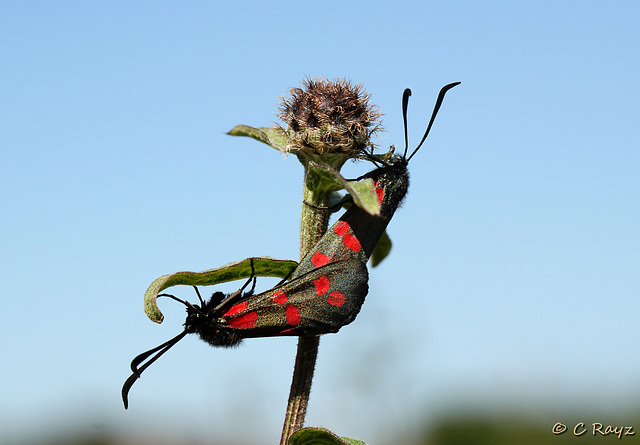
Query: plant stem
(313, 224)
(300, 386)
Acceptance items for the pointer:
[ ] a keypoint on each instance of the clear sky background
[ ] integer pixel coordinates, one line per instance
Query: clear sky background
(514, 279)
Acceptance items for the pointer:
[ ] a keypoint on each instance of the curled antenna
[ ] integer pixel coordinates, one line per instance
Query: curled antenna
(443, 91)
(164, 347)
(142, 357)
(405, 105)
(138, 364)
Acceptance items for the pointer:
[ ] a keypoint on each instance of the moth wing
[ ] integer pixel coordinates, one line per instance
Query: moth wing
(339, 290)
(318, 302)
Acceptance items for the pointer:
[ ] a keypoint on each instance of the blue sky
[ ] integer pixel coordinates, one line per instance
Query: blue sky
(515, 273)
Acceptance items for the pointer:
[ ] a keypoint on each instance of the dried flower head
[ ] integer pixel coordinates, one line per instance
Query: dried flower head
(329, 117)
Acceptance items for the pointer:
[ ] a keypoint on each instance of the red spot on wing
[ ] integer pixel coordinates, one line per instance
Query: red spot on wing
(336, 299)
(322, 285)
(280, 297)
(293, 315)
(341, 228)
(245, 321)
(319, 259)
(351, 242)
(379, 192)
(236, 308)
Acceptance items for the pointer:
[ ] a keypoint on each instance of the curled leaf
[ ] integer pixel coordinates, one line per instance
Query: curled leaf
(262, 267)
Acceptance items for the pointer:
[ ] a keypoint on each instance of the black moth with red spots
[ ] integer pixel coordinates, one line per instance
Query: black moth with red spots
(325, 291)
(357, 232)
(320, 301)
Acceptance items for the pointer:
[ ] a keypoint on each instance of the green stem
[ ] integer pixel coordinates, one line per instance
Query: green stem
(313, 224)
(314, 218)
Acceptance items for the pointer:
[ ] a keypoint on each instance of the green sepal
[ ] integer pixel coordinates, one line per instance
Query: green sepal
(320, 436)
(262, 267)
(272, 136)
(379, 157)
(322, 177)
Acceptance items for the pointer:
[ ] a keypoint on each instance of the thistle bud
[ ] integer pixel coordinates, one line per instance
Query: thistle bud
(329, 118)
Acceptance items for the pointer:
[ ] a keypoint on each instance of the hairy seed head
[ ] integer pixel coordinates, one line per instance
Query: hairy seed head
(329, 117)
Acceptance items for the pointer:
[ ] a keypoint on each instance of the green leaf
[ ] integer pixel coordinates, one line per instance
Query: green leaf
(381, 250)
(364, 195)
(320, 436)
(324, 178)
(263, 267)
(272, 136)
